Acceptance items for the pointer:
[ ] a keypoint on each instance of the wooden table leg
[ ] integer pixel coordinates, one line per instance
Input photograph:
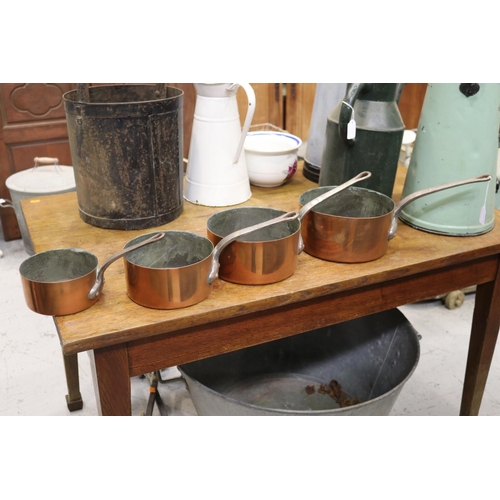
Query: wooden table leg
(112, 380)
(73, 398)
(484, 333)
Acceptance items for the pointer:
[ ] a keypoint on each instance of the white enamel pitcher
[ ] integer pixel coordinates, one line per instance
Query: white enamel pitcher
(216, 173)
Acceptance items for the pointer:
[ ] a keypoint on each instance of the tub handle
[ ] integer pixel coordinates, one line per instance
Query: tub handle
(99, 282)
(45, 160)
(5, 203)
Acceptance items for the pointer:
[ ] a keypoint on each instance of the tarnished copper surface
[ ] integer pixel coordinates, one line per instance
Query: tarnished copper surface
(356, 224)
(261, 258)
(59, 299)
(168, 288)
(51, 288)
(171, 273)
(65, 280)
(351, 227)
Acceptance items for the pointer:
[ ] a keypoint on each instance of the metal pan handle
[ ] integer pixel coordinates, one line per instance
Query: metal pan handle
(99, 282)
(425, 192)
(308, 206)
(224, 242)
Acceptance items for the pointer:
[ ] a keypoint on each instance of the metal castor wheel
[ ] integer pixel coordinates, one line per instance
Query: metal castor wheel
(454, 299)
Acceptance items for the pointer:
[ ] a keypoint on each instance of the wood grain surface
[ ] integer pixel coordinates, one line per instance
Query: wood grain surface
(54, 222)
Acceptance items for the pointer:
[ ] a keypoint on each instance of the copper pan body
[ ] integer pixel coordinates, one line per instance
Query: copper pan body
(259, 258)
(57, 282)
(357, 224)
(171, 273)
(351, 227)
(66, 280)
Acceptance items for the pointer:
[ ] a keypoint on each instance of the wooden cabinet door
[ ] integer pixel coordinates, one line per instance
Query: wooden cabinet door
(411, 102)
(299, 101)
(187, 112)
(268, 104)
(285, 105)
(32, 123)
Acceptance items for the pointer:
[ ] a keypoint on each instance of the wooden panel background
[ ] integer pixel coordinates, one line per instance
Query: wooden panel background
(410, 103)
(33, 124)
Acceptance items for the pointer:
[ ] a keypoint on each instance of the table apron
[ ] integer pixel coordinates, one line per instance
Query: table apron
(191, 344)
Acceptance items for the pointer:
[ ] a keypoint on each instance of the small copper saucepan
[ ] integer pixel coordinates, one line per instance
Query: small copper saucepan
(357, 225)
(66, 280)
(179, 270)
(270, 254)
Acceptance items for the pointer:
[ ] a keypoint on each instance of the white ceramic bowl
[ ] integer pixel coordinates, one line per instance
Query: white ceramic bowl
(271, 157)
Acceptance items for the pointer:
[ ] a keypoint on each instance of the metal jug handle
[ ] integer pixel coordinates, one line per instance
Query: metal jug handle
(347, 110)
(249, 117)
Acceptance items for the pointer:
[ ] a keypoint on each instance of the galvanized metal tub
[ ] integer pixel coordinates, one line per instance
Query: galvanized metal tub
(34, 183)
(370, 357)
(126, 145)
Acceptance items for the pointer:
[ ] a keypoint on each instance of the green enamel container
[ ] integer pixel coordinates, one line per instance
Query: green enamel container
(457, 138)
(364, 132)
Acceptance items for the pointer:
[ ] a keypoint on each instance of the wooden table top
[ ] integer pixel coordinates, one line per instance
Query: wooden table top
(54, 222)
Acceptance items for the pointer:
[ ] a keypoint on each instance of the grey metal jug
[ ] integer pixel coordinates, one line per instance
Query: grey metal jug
(327, 96)
(364, 132)
(457, 138)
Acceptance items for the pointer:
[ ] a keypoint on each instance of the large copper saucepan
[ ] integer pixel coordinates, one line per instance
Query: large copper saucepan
(356, 225)
(179, 270)
(66, 280)
(270, 254)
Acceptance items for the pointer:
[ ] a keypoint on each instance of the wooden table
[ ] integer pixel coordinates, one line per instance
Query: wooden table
(129, 340)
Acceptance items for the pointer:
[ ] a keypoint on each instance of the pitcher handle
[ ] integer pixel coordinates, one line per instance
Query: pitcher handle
(249, 117)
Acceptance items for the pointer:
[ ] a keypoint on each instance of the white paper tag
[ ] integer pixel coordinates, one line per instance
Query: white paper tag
(351, 129)
(351, 126)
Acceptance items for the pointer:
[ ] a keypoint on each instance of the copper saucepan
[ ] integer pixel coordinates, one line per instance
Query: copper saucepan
(271, 254)
(66, 280)
(357, 225)
(179, 270)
